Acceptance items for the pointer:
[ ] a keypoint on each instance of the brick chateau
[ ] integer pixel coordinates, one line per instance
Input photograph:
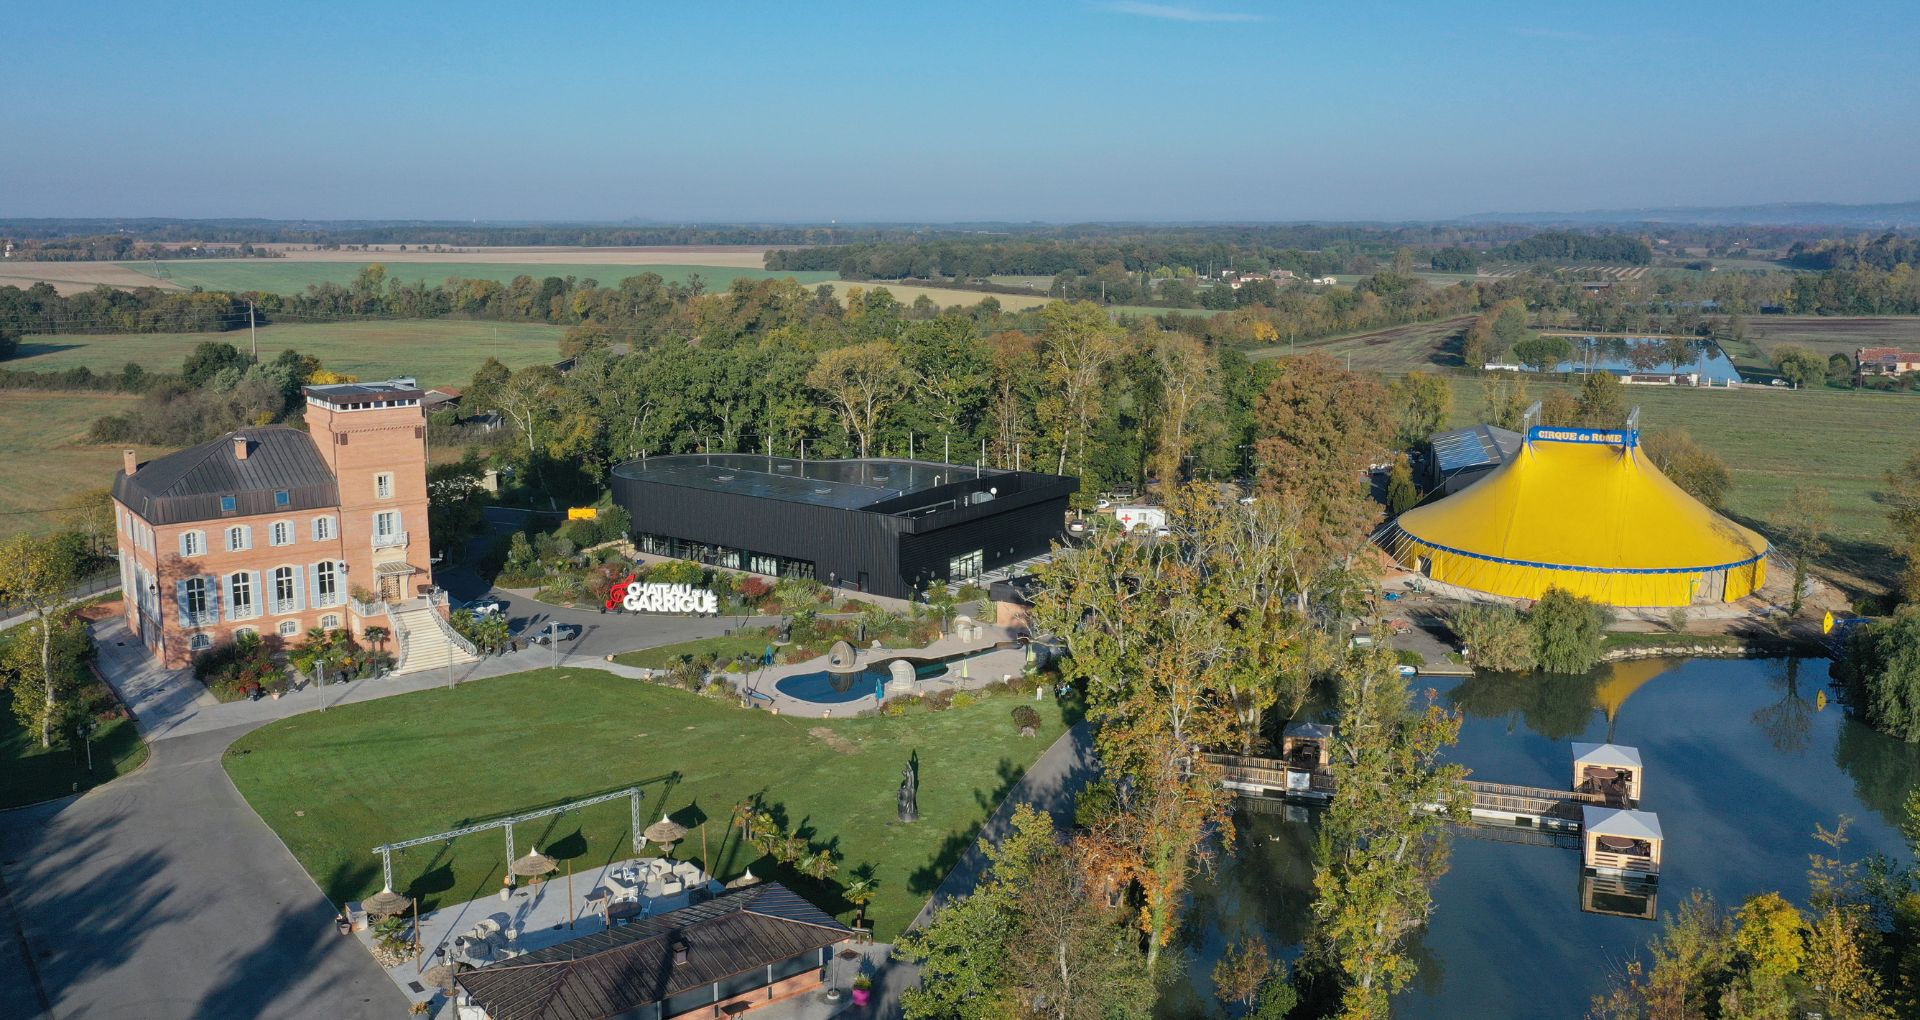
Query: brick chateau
(274, 530)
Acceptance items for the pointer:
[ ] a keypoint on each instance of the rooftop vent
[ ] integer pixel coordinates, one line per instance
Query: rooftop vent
(822, 492)
(680, 948)
(723, 478)
(240, 447)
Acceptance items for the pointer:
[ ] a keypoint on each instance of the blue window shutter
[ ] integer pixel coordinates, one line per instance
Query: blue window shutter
(313, 588)
(259, 594)
(214, 601)
(299, 591)
(180, 600)
(226, 588)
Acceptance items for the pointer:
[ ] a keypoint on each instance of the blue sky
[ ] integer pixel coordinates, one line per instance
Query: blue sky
(1080, 110)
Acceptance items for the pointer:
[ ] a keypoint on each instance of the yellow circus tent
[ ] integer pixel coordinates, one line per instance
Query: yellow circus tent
(1583, 510)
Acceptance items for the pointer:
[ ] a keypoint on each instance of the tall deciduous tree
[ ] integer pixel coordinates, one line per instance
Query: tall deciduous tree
(1189, 389)
(1689, 465)
(863, 381)
(1381, 845)
(1078, 342)
(1422, 405)
(1322, 428)
(1803, 523)
(39, 574)
(1902, 497)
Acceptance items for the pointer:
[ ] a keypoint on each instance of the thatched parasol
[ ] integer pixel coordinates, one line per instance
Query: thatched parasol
(665, 832)
(746, 879)
(533, 865)
(441, 976)
(385, 903)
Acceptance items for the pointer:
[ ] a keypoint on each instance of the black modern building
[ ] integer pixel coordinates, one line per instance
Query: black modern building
(888, 527)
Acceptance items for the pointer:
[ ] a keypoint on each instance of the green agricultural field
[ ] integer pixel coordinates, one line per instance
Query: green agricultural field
(44, 464)
(440, 352)
(334, 784)
(290, 276)
(1833, 334)
(1774, 439)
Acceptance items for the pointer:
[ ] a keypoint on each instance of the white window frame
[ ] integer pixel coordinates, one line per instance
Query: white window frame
(274, 532)
(389, 534)
(203, 616)
(193, 543)
(289, 628)
(324, 529)
(290, 604)
(331, 621)
(327, 572)
(200, 642)
(245, 534)
(383, 485)
(237, 631)
(241, 582)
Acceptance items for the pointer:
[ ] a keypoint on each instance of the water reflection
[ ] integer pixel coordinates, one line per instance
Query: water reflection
(1742, 763)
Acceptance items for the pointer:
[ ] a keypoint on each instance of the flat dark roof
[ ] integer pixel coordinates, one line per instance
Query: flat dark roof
(843, 484)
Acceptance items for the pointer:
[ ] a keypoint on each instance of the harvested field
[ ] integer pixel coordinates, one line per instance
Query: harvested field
(945, 297)
(1396, 350)
(440, 352)
(290, 276)
(77, 277)
(43, 463)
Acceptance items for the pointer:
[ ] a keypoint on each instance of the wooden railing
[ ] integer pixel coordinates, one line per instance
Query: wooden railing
(1642, 863)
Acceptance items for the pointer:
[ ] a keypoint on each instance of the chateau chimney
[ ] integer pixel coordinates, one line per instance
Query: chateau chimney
(132, 462)
(679, 951)
(240, 447)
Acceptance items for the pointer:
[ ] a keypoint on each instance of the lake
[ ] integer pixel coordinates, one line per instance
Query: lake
(1741, 765)
(1611, 354)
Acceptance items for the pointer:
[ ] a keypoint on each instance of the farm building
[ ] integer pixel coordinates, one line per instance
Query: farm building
(1885, 361)
(1585, 511)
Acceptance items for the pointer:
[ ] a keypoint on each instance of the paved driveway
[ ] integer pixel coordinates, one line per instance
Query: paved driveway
(162, 895)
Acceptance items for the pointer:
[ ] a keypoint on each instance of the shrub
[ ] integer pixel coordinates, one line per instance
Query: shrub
(964, 699)
(1496, 637)
(1880, 675)
(1026, 720)
(938, 701)
(754, 589)
(1567, 631)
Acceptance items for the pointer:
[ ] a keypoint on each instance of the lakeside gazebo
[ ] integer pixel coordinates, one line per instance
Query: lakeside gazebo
(1613, 771)
(1620, 841)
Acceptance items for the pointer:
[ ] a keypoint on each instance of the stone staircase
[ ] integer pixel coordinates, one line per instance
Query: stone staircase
(425, 640)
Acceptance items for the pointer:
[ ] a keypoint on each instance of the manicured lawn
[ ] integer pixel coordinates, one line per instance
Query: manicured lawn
(727, 647)
(29, 775)
(291, 276)
(440, 352)
(334, 785)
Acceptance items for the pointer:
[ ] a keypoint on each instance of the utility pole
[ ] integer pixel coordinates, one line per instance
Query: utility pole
(251, 335)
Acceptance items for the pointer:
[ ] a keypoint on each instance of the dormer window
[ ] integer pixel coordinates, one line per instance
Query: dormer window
(229, 504)
(283, 498)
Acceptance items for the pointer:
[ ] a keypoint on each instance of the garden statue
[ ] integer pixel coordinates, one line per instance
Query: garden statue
(910, 791)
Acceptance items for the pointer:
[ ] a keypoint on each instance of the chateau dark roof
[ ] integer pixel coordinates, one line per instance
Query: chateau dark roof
(612, 972)
(189, 485)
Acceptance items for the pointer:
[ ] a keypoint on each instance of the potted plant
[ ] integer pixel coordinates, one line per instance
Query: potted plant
(862, 990)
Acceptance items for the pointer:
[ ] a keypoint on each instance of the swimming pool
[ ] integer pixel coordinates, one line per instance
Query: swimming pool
(825, 688)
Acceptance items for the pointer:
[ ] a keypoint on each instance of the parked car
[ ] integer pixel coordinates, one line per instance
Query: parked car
(486, 606)
(553, 632)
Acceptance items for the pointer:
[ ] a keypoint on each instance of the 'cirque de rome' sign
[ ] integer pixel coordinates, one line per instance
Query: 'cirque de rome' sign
(669, 598)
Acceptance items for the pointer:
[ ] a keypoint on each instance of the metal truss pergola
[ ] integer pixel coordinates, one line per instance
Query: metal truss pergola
(385, 850)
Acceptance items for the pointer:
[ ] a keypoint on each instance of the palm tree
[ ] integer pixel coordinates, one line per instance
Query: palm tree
(860, 891)
(377, 636)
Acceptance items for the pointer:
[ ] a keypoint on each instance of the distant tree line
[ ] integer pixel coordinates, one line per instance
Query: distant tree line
(121, 248)
(1885, 252)
(1572, 246)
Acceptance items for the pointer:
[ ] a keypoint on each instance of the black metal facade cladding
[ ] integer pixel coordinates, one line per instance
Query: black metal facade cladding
(894, 552)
